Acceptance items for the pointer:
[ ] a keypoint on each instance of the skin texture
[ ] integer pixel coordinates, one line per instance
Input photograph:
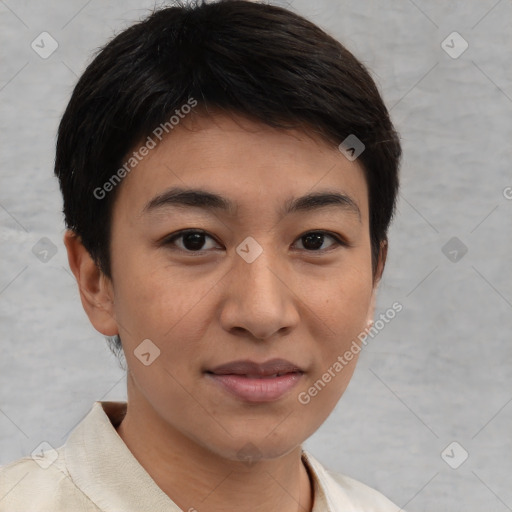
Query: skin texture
(293, 302)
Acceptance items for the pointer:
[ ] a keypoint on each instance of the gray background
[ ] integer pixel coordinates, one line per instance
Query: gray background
(440, 372)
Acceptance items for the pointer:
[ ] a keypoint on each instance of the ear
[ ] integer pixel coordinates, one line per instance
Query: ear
(96, 292)
(383, 253)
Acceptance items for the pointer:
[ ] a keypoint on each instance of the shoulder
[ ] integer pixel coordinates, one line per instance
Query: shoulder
(345, 493)
(40, 484)
(362, 495)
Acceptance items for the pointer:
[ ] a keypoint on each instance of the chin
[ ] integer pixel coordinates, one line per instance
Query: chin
(251, 448)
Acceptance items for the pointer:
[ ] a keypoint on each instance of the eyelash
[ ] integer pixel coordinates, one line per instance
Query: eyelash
(339, 242)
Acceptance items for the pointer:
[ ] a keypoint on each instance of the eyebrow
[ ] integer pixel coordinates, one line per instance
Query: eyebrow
(198, 198)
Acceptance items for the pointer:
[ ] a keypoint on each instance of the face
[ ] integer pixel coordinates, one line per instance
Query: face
(243, 279)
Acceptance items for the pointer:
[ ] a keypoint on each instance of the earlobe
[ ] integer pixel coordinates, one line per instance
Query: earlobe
(95, 288)
(371, 309)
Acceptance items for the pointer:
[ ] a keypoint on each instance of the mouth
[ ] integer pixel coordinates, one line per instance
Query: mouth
(257, 382)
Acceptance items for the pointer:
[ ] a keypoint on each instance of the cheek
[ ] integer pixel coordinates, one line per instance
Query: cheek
(343, 301)
(320, 395)
(174, 313)
(151, 301)
(342, 305)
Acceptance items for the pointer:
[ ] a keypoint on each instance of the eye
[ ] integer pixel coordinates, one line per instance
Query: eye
(313, 240)
(192, 240)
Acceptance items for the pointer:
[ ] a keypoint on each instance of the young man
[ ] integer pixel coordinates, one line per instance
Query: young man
(229, 173)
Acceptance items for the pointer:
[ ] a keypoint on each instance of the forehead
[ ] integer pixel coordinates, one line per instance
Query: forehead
(246, 162)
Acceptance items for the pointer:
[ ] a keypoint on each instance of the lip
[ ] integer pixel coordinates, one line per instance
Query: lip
(257, 382)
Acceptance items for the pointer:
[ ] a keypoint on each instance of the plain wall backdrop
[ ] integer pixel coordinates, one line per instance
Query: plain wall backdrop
(440, 372)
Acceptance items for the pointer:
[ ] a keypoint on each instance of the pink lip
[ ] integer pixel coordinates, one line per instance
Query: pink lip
(255, 382)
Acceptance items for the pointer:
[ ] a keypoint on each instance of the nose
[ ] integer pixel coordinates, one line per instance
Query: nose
(259, 299)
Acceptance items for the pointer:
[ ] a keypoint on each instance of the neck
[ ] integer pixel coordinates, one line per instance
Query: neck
(197, 479)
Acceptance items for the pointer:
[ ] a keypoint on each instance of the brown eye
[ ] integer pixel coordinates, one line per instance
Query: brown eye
(314, 240)
(191, 240)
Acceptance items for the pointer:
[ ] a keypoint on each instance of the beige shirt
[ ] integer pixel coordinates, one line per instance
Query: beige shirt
(95, 471)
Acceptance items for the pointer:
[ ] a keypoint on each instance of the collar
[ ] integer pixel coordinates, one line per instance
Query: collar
(105, 470)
